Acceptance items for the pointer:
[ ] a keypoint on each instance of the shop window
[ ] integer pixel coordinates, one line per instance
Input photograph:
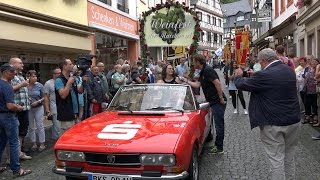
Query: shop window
(123, 5)
(106, 2)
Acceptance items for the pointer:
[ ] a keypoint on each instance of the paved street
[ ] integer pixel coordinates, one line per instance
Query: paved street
(244, 156)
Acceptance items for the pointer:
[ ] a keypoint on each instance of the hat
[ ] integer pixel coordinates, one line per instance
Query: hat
(7, 66)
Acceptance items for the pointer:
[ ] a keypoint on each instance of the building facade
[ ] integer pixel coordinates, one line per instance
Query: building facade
(114, 27)
(236, 16)
(308, 31)
(281, 30)
(42, 33)
(210, 14)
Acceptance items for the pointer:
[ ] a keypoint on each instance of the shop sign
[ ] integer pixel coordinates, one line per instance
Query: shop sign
(169, 27)
(5, 57)
(264, 14)
(99, 16)
(31, 58)
(51, 59)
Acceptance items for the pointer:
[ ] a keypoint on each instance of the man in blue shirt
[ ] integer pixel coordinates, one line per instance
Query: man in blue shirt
(66, 96)
(8, 121)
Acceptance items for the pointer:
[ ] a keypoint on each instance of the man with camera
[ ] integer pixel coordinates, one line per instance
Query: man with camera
(50, 103)
(274, 108)
(9, 124)
(66, 91)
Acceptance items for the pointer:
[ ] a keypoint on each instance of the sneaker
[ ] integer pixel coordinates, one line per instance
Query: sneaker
(215, 150)
(316, 137)
(235, 111)
(230, 97)
(245, 112)
(23, 156)
(226, 86)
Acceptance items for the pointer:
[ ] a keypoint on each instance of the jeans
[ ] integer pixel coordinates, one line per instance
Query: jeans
(36, 125)
(218, 111)
(9, 132)
(56, 129)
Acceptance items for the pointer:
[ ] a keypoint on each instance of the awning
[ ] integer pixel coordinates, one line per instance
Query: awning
(285, 23)
(261, 38)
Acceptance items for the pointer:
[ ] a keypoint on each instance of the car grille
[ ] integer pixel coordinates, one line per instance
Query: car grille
(129, 160)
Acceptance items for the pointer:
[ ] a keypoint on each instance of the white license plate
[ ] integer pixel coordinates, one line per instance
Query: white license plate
(108, 177)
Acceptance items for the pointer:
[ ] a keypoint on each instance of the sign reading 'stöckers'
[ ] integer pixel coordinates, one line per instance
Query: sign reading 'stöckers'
(169, 27)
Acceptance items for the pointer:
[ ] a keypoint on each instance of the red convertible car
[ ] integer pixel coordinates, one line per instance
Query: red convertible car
(149, 131)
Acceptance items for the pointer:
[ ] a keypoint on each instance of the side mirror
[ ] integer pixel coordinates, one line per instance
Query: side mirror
(205, 105)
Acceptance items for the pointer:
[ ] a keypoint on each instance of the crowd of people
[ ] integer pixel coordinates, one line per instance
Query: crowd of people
(281, 88)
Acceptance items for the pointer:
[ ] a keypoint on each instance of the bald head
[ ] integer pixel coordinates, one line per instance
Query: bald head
(17, 63)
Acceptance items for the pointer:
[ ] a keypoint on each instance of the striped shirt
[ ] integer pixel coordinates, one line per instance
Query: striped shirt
(21, 95)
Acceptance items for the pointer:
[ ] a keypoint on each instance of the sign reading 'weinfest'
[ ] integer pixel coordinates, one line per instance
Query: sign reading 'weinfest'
(169, 27)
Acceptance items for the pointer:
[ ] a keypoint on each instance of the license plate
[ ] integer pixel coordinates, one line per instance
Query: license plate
(108, 177)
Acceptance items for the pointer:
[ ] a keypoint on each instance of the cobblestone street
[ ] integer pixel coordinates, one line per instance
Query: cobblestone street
(244, 156)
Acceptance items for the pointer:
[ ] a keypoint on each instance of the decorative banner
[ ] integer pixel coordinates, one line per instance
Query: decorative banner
(242, 46)
(169, 27)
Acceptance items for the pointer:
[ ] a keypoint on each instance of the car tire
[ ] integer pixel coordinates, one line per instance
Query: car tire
(193, 170)
(71, 178)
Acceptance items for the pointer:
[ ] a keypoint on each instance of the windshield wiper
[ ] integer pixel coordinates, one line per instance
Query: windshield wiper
(161, 108)
(123, 107)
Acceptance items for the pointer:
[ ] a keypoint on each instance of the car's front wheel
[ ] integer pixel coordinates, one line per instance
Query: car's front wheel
(194, 165)
(71, 178)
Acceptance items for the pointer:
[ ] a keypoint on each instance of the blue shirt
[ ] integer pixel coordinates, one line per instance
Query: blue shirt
(36, 92)
(59, 85)
(6, 95)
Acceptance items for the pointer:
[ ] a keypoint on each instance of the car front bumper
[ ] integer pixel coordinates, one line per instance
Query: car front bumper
(85, 174)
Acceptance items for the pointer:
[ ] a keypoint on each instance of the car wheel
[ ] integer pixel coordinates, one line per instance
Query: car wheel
(210, 135)
(71, 178)
(194, 165)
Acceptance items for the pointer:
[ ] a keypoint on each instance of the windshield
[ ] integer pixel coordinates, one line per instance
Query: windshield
(153, 97)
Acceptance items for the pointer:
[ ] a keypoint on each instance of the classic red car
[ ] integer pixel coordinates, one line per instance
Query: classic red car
(150, 131)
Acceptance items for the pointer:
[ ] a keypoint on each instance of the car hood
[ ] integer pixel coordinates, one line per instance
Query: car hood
(126, 133)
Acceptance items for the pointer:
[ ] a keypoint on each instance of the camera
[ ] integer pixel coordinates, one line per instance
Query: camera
(84, 62)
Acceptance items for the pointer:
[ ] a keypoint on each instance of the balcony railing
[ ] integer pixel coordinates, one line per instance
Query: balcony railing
(122, 8)
(211, 27)
(106, 2)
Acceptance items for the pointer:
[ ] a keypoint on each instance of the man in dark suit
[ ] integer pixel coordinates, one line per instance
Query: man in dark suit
(274, 108)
